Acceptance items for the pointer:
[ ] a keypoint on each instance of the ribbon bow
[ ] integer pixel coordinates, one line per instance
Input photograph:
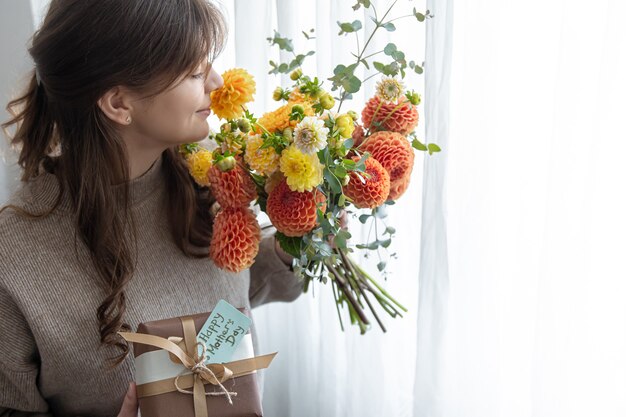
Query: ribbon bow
(187, 354)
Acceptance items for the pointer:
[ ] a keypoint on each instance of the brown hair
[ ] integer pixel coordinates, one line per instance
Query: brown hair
(82, 49)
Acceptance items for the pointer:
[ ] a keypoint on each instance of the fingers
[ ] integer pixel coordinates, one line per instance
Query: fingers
(130, 404)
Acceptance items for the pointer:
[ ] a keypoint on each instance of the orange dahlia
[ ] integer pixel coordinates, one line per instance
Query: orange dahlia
(294, 213)
(232, 188)
(238, 89)
(395, 154)
(401, 117)
(279, 118)
(235, 240)
(399, 186)
(374, 190)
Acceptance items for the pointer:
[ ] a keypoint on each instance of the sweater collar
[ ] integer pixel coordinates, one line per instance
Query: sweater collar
(44, 188)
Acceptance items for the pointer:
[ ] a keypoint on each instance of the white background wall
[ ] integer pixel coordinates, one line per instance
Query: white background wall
(17, 19)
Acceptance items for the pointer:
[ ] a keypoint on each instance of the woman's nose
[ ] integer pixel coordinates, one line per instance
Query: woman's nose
(214, 81)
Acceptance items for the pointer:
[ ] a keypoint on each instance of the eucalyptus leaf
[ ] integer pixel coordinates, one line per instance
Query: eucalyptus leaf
(283, 43)
(333, 182)
(341, 239)
(340, 171)
(432, 148)
(419, 145)
(390, 48)
(389, 26)
(347, 27)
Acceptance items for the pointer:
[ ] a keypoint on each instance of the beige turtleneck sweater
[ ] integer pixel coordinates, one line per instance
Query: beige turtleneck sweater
(51, 362)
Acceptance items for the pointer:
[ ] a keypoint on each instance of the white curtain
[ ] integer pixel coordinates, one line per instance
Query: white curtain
(522, 282)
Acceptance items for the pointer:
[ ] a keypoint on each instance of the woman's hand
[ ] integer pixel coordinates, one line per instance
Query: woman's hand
(130, 404)
(284, 256)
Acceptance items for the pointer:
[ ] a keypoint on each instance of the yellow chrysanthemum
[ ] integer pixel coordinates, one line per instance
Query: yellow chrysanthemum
(303, 171)
(238, 89)
(279, 118)
(265, 161)
(200, 163)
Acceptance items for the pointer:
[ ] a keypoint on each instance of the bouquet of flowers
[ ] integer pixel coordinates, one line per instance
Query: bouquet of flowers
(305, 163)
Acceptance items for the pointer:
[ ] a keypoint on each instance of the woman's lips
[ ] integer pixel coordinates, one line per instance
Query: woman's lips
(205, 113)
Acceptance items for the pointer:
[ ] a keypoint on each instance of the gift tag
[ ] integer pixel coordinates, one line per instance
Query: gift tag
(222, 332)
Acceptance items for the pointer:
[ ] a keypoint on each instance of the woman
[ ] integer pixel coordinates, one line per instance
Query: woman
(107, 228)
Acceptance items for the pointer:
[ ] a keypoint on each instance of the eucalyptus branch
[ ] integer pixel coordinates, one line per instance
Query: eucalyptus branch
(379, 24)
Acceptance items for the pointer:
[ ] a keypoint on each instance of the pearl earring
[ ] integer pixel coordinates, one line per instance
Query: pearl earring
(128, 120)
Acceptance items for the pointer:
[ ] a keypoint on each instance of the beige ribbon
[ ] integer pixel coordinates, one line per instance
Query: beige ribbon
(212, 373)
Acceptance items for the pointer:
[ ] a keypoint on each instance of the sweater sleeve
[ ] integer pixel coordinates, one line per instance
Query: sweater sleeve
(19, 364)
(270, 278)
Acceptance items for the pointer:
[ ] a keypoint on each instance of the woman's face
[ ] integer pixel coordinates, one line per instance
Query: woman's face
(174, 117)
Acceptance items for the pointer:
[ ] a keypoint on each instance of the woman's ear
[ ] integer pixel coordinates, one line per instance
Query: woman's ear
(116, 105)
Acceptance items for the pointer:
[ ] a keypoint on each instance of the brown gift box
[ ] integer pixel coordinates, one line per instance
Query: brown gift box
(247, 402)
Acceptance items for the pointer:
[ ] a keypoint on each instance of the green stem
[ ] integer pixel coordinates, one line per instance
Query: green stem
(347, 262)
(401, 17)
(371, 76)
(371, 55)
(381, 289)
(347, 293)
(332, 284)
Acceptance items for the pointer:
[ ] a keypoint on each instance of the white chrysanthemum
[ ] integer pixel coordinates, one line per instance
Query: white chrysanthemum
(310, 135)
(389, 89)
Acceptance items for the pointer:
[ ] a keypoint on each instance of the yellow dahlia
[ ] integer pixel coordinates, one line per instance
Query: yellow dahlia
(238, 89)
(199, 164)
(303, 171)
(265, 161)
(279, 118)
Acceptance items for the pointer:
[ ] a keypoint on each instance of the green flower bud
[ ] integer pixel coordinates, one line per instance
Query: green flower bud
(288, 134)
(278, 94)
(353, 115)
(297, 109)
(345, 124)
(327, 101)
(243, 125)
(225, 128)
(414, 98)
(296, 74)
(345, 180)
(317, 93)
(227, 163)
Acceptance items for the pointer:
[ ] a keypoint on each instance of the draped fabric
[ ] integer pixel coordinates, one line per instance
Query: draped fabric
(522, 281)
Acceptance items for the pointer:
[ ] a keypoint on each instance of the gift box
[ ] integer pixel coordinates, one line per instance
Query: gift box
(173, 380)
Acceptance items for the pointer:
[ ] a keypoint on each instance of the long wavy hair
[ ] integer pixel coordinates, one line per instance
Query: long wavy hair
(82, 49)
